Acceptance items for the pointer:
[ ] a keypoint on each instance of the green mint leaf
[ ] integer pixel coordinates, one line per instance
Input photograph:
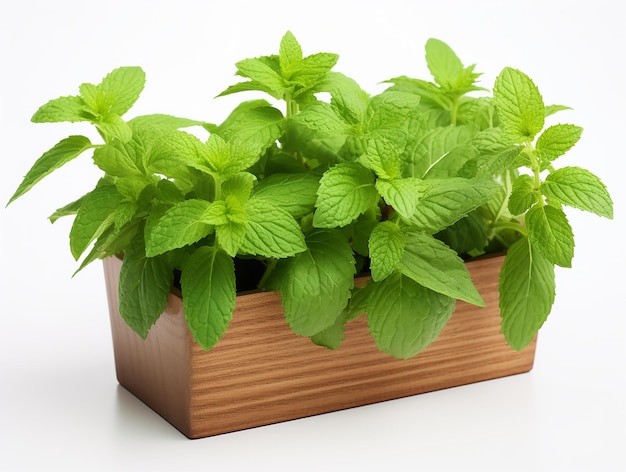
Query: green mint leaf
(361, 229)
(446, 67)
(401, 194)
(358, 302)
(124, 214)
(477, 113)
(404, 317)
(214, 213)
(230, 219)
(315, 284)
(208, 286)
(228, 158)
(346, 191)
(67, 210)
(96, 102)
(118, 160)
(167, 122)
(213, 157)
(382, 157)
(60, 154)
(264, 71)
(230, 236)
(128, 161)
(239, 186)
(174, 153)
(435, 266)
(290, 55)
(431, 96)
(491, 141)
(388, 114)
(122, 88)
(578, 188)
(318, 149)
(489, 165)
(104, 104)
(248, 86)
(258, 128)
(347, 97)
(519, 105)
(271, 231)
(287, 74)
(156, 213)
(323, 118)
(294, 193)
(145, 283)
(557, 140)
(440, 152)
(351, 148)
(444, 202)
(112, 242)
(115, 127)
(527, 291)
(71, 109)
(522, 195)
(95, 215)
(166, 192)
(138, 190)
(224, 212)
(333, 336)
(236, 210)
(181, 225)
(495, 209)
(466, 235)
(552, 109)
(386, 247)
(143, 144)
(312, 71)
(238, 114)
(550, 232)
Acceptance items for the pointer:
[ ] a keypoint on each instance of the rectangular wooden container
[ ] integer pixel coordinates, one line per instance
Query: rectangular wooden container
(262, 373)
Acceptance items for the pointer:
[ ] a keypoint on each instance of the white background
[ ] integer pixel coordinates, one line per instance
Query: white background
(60, 406)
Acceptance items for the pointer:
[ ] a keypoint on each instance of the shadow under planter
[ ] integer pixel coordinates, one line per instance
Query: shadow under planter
(262, 373)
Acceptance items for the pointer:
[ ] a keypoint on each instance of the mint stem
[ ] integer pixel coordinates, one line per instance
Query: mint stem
(268, 271)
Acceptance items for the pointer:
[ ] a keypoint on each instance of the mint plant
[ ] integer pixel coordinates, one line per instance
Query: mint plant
(404, 185)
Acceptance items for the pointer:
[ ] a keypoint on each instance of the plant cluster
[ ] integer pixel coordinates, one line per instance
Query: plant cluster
(405, 184)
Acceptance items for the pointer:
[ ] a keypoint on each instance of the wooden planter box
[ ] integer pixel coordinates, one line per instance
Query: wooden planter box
(262, 373)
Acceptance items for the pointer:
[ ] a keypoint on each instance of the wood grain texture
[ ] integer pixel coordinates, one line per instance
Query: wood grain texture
(262, 373)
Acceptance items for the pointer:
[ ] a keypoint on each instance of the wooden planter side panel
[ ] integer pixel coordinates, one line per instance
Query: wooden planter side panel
(262, 373)
(156, 370)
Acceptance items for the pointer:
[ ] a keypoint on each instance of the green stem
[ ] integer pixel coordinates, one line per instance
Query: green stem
(454, 111)
(511, 226)
(534, 165)
(268, 271)
(508, 186)
(103, 135)
(292, 106)
(293, 109)
(218, 187)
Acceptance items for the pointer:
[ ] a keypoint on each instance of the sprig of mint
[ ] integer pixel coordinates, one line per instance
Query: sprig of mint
(404, 184)
(527, 286)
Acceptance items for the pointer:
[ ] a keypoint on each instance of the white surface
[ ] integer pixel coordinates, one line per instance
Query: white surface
(60, 406)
